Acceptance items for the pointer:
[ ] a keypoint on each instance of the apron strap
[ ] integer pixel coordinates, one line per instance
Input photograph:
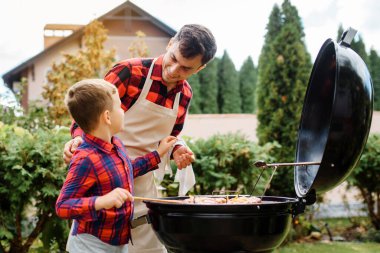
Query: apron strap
(148, 82)
(176, 102)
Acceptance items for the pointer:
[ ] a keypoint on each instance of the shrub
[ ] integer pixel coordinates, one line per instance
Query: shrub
(225, 162)
(31, 175)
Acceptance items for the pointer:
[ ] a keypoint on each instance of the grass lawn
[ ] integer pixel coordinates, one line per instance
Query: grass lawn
(336, 247)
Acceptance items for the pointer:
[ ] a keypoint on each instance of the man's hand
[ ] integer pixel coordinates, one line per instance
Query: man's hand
(70, 147)
(114, 198)
(183, 157)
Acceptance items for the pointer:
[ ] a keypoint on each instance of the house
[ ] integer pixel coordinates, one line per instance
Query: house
(122, 24)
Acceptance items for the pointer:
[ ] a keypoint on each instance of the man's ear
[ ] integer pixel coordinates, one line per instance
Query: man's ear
(200, 68)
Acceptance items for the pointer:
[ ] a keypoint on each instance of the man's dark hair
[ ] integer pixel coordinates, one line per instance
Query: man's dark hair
(194, 40)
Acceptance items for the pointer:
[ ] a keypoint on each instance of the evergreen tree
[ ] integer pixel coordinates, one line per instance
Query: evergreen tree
(208, 79)
(229, 100)
(283, 83)
(374, 68)
(273, 29)
(247, 80)
(195, 106)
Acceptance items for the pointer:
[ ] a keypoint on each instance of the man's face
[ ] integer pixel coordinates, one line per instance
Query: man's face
(175, 67)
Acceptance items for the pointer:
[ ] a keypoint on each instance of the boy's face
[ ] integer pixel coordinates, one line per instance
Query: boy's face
(117, 114)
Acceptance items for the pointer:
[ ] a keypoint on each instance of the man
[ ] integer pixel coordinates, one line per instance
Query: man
(155, 96)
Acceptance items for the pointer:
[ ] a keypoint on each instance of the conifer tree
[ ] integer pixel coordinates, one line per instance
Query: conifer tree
(208, 79)
(247, 80)
(195, 106)
(229, 100)
(283, 82)
(273, 29)
(374, 68)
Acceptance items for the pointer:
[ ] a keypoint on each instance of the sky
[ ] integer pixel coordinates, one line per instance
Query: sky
(238, 25)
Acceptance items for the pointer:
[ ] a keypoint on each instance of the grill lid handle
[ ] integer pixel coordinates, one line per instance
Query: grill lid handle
(347, 37)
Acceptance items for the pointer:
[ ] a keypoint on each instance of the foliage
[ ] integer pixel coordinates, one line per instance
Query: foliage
(91, 61)
(208, 78)
(229, 99)
(225, 162)
(281, 89)
(247, 80)
(195, 107)
(336, 247)
(138, 47)
(31, 175)
(374, 69)
(366, 178)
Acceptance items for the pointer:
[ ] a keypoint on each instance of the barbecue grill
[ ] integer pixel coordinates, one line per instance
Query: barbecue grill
(334, 127)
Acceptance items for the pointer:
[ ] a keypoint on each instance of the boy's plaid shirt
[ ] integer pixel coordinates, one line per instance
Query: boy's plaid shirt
(97, 168)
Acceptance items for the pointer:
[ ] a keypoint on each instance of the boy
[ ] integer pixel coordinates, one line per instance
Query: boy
(100, 177)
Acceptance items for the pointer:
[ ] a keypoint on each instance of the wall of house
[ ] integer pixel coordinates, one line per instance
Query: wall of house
(156, 45)
(43, 64)
(121, 33)
(206, 125)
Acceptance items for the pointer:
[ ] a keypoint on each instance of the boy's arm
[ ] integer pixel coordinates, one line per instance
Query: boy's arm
(143, 164)
(72, 203)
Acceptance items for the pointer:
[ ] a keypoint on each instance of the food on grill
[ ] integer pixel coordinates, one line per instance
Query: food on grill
(222, 200)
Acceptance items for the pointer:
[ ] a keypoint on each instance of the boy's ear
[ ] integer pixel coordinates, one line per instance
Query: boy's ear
(106, 117)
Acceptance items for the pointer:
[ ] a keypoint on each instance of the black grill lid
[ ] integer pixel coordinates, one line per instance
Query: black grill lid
(336, 117)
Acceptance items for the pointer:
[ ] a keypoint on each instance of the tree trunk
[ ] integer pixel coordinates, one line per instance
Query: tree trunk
(18, 247)
(368, 199)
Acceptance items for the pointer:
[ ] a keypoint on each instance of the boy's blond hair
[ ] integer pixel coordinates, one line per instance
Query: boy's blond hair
(86, 100)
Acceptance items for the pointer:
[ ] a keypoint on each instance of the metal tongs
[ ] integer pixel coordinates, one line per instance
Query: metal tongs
(262, 164)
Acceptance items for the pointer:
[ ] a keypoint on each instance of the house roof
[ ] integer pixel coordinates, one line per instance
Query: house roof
(78, 33)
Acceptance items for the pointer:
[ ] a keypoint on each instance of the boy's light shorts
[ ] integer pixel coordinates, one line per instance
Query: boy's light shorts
(88, 243)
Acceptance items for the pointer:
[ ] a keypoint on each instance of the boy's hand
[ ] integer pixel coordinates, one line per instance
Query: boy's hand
(165, 145)
(70, 147)
(115, 198)
(183, 157)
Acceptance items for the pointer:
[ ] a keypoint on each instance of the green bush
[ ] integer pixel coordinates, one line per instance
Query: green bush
(31, 175)
(225, 162)
(366, 177)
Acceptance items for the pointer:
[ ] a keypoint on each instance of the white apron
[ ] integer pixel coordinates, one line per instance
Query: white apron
(145, 124)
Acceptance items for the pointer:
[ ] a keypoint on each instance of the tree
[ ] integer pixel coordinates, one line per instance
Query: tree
(273, 29)
(138, 47)
(374, 68)
(229, 100)
(366, 177)
(208, 79)
(195, 106)
(91, 61)
(283, 82)
(31, 174)
(247, 80)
